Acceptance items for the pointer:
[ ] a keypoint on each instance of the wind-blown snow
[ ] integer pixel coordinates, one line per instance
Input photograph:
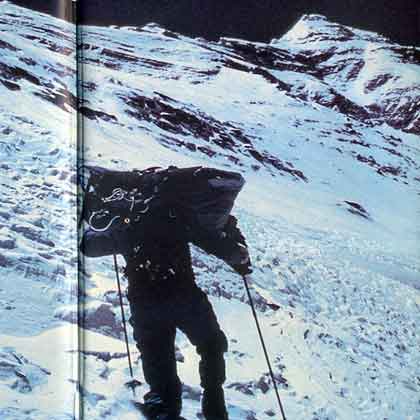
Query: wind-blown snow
(324, 125)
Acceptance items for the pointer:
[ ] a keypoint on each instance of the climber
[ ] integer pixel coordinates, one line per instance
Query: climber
(164, 296)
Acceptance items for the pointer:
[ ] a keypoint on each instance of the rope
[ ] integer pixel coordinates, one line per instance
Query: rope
(124, 323)
(263, 346)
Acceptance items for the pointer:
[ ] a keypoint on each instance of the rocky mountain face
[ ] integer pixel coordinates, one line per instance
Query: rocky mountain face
(323, 123)
(359, 77)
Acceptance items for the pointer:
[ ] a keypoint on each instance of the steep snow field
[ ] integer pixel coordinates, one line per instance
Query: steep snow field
(38, 238)
(322, 122)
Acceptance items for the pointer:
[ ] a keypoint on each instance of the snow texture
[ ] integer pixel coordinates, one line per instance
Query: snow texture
(323, 123)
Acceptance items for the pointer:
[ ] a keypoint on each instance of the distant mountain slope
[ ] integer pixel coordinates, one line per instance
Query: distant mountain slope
(347, 83)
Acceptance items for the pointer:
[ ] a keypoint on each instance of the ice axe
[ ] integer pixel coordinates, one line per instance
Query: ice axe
(247, 279)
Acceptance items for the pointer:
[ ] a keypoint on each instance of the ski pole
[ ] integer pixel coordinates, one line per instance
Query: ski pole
(124, 325)
(244, 278)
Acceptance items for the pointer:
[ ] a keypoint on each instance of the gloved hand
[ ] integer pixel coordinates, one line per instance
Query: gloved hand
(243, 269)
(240, 260)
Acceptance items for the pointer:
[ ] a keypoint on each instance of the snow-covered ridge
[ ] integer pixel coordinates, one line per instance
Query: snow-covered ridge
(323, 125)
(365, 67)
(363, 95)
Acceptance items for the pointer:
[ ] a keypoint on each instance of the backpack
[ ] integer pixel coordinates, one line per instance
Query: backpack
(200, 197)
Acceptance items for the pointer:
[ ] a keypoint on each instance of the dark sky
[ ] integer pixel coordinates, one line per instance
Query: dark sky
(59, 8)
(258, 20)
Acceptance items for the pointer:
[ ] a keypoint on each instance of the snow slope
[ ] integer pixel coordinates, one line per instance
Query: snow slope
(324, 125)
(38, 240)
